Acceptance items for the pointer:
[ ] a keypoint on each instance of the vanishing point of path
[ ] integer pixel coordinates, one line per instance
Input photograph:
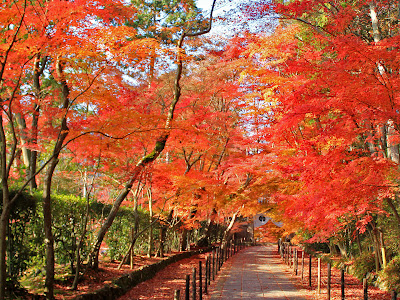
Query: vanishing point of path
(256, 273)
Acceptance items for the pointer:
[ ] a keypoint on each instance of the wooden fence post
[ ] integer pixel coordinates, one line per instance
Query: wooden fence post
(342, 283)
(206, 277)
(194, 284)
(365, 287)
(309, 271)
(209, 269)
(213, 264)
(286, 254)
(187, 288)
(319, 276)
(302, 264)
(200, 281)
(294, 259)
(217, 261)
(328, 285)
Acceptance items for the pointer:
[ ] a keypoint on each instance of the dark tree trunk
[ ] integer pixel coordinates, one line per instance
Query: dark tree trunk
(47, 216)
(163, 234)
(49, 239)
(159, 147)
(204, 240)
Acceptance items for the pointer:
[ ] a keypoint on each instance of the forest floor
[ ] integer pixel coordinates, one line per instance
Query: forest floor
(95, 280)
(92, 281)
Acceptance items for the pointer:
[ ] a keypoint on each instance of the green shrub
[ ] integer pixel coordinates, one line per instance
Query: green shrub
(390, 275)
(119, 236)
(364, 264)
(18, 251)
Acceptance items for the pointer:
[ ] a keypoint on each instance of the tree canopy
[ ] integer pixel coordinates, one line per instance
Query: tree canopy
(136, 105)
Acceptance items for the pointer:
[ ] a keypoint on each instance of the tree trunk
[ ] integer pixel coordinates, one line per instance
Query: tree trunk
(47, 217)
(26, 153)
(159, 147)
(49, 239)
(183, 240)
(359, 242)
(4, 220)
(135, 228)
(395, 212)
(132, 244)
(83, 234)
(94, 255)
(150, 249)
(227, 233)
(204, 240)
(163, 234)
(378, 259)
(33, 156)
(39, 65)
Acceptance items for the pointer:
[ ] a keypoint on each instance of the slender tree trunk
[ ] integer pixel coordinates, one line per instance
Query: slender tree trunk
(49, 239)
(131, 246)
(5, 213)
(39, 65)
(79, 247)
(4, 168)
(47, 216)
(150, 197)
(395, 212)
(376, 247)
(26, 153)
(33, 157)
(163, 234)
(359, 243)
(227, 233)
(84, 230)
(135, 228)
(204, 240)
(4, 219)
(374, 22)
(185, 239)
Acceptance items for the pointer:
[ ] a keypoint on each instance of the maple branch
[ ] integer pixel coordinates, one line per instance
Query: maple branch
(10, 117)
(222, 153)
(395, 212)
(113, 137)
(53, 155)
(68, 103)
(3, 63)
(187, 158)
(316, 27)
(88, 87)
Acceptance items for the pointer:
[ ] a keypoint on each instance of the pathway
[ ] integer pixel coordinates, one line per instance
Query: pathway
(256, 273)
